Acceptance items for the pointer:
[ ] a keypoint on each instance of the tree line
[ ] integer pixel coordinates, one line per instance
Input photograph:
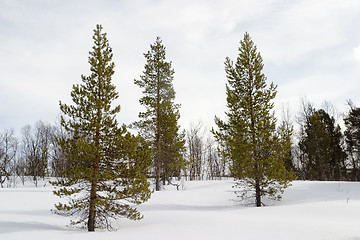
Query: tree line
(322, 150)
(35, 154)
(103, 169)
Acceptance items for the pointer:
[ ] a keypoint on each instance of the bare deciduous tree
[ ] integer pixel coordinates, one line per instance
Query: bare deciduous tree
(216, 166)
(8, 149)
(203, 159)
(35, 149)
(196, 151)
(59, 163)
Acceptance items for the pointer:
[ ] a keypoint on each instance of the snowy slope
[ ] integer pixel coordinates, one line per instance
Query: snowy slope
(203, 210)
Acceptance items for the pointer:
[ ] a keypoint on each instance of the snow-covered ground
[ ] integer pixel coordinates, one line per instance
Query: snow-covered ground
(203, 210)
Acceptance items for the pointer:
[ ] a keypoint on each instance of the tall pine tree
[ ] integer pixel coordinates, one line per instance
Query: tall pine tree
(352, 139)
(159, 123)
(321, 145)
(248, 138)
(107, 165)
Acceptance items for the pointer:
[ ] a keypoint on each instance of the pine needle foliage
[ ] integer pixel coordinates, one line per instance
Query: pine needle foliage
(107, 166)
(352, 139)
(321, 147)
(249, 138)
(159, 123)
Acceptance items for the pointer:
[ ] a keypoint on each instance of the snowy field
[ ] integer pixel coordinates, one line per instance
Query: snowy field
(203, 210)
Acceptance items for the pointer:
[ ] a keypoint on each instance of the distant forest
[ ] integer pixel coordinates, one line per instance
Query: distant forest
(320, 149)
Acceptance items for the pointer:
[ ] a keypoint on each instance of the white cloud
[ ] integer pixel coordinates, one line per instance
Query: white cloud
(45, 47)
(295, 29)
(357, 53)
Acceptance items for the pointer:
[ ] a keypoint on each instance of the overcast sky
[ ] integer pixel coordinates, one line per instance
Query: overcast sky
(310, 48)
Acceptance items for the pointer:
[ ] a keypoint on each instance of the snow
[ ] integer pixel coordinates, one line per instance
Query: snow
(202, 210)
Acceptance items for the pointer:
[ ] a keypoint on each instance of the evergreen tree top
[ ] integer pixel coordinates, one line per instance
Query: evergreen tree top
(248, 95)
(246, 74)
(94, 96)
(158, 74)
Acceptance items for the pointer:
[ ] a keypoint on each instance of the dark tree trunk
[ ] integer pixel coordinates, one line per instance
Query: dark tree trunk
(94, 179)
(157, 175)
(158, 138)
(92, 207)
(257, 194)
(158, 158)
(91, 220)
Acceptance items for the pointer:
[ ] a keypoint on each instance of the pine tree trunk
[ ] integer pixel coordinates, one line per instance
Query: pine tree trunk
(92, 207)
(257, 194)
(158, 139)
(157, 154)
(91, 220)
(157, 160)
(157, 174)
(96, 163)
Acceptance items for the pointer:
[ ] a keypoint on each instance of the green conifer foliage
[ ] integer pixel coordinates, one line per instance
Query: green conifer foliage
(159, 123)
(248, 138)
(352, 138)
(285, 132)
(321, 145)
(107, 165)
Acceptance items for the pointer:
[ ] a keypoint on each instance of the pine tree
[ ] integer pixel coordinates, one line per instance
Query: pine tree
(285, 132)
(106, 164)
(248, 138)
(321, 145)
(159, 124)
(352, 139)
